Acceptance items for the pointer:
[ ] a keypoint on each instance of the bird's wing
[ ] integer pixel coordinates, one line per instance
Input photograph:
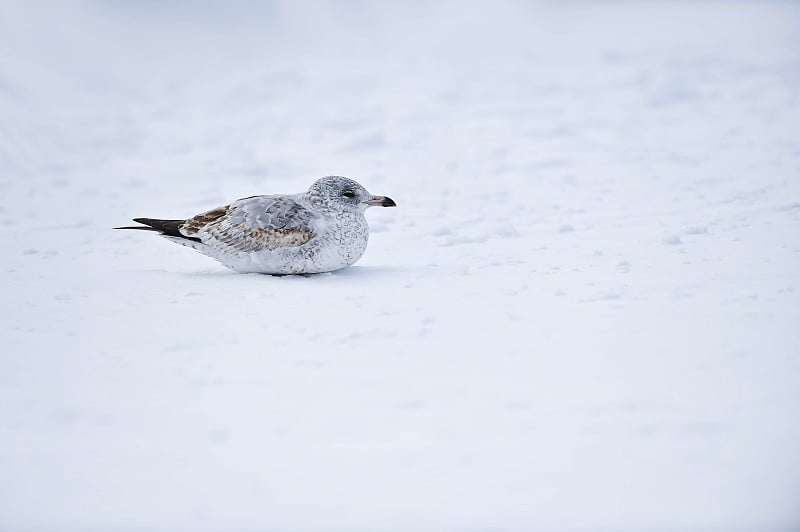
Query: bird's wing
(255, 224)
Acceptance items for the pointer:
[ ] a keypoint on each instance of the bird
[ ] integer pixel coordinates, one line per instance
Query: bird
(320, 230)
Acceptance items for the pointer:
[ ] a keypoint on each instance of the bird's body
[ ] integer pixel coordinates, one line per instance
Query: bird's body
(321, 230)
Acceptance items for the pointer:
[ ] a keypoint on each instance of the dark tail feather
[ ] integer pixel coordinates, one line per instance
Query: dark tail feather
(139, 227)
(165, 227)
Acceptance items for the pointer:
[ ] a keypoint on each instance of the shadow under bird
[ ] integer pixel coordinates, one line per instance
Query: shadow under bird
(321, 230)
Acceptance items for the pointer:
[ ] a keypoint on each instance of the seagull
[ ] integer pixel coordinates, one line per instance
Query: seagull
(321, 230)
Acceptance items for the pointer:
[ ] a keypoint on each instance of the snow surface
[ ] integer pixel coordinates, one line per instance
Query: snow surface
(584, 314)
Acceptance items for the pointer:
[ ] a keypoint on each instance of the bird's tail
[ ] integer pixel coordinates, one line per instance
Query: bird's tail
(165, 227)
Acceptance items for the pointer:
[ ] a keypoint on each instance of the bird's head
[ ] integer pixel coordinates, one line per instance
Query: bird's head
(344, 194)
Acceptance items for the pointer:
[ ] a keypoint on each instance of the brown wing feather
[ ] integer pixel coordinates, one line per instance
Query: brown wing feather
(253, 224)
(196, 223)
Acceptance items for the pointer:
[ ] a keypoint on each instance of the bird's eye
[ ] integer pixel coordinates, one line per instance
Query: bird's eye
(349, 194)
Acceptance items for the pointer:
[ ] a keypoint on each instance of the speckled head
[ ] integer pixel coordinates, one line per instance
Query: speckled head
(342, 193)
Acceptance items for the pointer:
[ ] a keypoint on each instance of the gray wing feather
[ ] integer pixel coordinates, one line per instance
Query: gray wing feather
(255, 224)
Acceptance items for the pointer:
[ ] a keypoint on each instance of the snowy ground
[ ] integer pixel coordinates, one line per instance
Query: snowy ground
(584, 315)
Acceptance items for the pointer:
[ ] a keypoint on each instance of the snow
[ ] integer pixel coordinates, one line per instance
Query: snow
(583, 315)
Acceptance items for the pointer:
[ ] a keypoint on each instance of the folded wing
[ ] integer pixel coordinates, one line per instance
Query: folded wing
(255, 224)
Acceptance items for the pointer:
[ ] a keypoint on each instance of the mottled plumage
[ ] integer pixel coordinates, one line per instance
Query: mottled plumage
(321, 230)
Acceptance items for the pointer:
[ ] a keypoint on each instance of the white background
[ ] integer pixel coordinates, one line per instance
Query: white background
(583, 315)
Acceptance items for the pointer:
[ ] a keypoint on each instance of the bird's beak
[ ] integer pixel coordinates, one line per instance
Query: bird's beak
(381, 201)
